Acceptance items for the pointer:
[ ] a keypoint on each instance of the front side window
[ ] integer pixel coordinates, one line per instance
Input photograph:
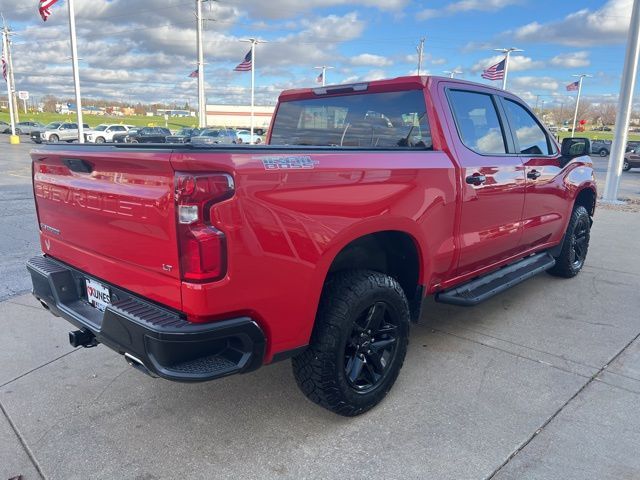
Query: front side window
(369, 120)
(531, 138)
(477, 120)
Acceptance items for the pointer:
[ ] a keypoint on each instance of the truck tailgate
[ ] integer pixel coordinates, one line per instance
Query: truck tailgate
(110, 213)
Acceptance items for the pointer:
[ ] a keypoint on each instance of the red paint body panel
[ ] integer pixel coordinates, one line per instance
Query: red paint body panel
(284, 228)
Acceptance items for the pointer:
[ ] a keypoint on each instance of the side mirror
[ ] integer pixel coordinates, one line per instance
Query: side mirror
(575, 147)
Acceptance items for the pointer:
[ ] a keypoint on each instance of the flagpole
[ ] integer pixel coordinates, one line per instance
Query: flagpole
(506, 70)
(575, 115)
(202, 105)
(507, 54)
(324, 69)
(76, 74)
(253, 84)
(5, 46)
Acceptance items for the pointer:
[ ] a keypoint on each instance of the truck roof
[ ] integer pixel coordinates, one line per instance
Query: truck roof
(378, 86)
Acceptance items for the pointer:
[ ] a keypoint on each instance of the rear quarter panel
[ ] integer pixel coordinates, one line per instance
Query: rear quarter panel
(286, 224)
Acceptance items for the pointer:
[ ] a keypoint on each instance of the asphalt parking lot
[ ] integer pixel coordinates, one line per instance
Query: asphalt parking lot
(541, 382)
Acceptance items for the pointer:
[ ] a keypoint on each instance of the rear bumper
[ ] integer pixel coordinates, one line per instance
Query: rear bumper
(160, 339)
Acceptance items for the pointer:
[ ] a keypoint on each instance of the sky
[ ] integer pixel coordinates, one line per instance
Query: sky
(143, 51)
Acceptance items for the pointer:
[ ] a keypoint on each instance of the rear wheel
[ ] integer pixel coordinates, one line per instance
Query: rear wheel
(575, 245)
(358, 344)
(604, 152)
(626, 166)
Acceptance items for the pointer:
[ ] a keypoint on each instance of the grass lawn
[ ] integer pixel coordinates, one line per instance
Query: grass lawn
(174, 123)
(634, 137)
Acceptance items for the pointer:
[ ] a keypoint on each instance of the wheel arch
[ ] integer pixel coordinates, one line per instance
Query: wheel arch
(395, 252)
(586, 197)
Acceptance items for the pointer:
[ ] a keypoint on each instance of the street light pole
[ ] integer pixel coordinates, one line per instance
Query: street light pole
(623, 116)
(420, 49)
(76, 74)
(202, 106)
(5, 47)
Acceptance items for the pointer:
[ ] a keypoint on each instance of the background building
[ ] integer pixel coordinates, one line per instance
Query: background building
(239, 116)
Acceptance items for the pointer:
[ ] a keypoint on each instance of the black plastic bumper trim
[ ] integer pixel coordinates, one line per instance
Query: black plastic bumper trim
(163, 340)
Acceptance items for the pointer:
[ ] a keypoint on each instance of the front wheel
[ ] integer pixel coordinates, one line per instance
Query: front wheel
(54, 139)
(358, 344)
(626, 166)
(575, 245)
(99, 140)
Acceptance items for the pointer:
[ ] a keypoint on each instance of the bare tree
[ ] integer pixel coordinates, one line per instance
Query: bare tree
(606, 113)
(49, 103)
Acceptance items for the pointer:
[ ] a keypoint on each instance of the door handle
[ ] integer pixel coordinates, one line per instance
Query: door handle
(534, 174)
(476, 179)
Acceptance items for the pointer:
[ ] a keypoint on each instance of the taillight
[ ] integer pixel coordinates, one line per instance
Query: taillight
(203, 250)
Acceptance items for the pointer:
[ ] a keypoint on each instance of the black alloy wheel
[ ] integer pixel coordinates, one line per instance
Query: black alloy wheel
(575, 245)
(358, 344)
(371, 348)
(580, 242)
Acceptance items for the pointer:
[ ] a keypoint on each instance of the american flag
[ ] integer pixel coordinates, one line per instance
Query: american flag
(45, 8)
(195, 73)
(495, 72)
(573, 86)
(246, 64)
(320, 77)
(4, 67)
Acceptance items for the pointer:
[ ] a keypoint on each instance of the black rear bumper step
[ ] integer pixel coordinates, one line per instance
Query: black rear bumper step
(162, 340)
(485, 287)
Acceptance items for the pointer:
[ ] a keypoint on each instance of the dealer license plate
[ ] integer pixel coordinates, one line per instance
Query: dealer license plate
(98, 295)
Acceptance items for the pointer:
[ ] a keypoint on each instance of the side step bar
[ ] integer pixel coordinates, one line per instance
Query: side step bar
(482, 288)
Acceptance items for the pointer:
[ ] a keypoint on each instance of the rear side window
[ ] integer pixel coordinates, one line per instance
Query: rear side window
(532, 140)
(370, 120)
(477, 120)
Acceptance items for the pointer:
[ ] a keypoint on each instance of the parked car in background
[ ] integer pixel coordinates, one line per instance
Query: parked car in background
(631, 160)
(183, 136)
(104, 133)
(212, 136)
(245, 137)
(23, 128)
(601, 147)
(148, 135)
(57, 132)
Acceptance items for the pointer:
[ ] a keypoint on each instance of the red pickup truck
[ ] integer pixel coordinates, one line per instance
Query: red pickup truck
(201, 262)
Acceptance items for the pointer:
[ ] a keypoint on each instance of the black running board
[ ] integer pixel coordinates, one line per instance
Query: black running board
(482, 288)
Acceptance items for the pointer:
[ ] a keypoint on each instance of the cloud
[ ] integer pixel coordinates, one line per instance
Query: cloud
(571, 60)
(466, 6)
(536, 83)
(517, 63)
(132, 52)
(370, 60)
(607, 25)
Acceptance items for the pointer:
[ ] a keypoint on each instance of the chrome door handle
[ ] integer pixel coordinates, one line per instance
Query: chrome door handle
(533, 174)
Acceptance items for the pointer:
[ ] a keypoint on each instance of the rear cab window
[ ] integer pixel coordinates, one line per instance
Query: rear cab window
(369, 120)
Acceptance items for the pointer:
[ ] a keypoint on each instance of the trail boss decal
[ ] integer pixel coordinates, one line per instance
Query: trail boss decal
(288, 162)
